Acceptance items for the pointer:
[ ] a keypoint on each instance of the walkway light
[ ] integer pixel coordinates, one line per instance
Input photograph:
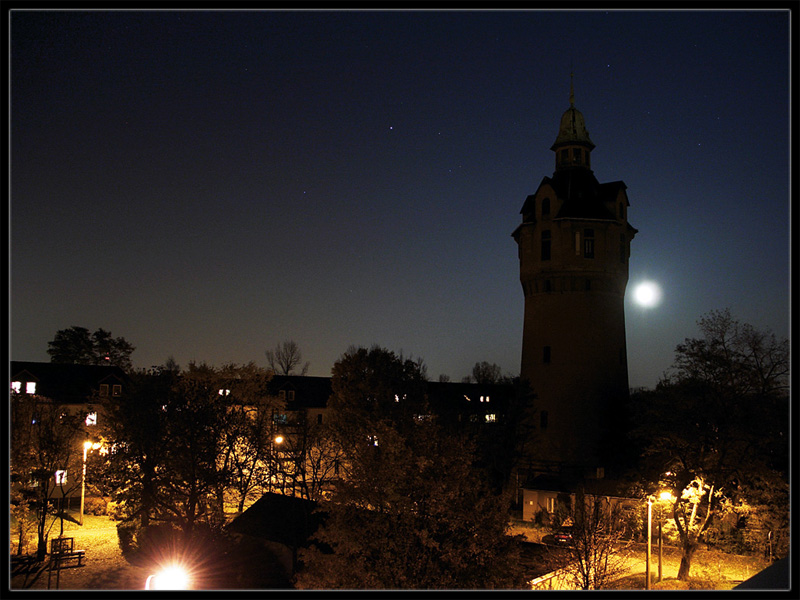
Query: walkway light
(87, 445)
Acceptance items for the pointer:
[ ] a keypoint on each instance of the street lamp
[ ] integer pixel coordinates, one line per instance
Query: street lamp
(666, 497)
(650, 500)
(87, 445)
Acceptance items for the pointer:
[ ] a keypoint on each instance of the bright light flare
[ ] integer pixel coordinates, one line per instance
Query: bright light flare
(170, 578)
(647, 294)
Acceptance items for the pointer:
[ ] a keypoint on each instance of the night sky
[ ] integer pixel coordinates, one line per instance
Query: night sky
(207, 184)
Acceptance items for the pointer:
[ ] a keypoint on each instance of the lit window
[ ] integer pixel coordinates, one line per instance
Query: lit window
(116, 390)
(16, 386)
(61, 477)
(104, 389)
(281, 419)
(224, 392)
(491, 418)
(551, 504)
(91, 419)
(30, 387)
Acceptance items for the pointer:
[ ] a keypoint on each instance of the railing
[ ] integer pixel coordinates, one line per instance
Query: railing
(559, 579)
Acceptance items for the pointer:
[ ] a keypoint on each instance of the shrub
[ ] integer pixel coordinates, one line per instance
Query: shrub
(95, 505)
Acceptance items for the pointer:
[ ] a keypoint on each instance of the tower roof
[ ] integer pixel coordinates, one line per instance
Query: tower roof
(572, 129)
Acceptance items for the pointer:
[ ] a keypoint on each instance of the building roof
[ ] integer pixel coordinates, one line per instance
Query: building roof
(309, 392)
(774, 577)
(66, 383)
(277, 518)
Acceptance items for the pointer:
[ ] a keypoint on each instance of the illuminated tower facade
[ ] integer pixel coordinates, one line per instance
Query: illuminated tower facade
(574, 246)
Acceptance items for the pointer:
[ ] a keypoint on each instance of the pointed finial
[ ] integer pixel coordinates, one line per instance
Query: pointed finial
(571, 91)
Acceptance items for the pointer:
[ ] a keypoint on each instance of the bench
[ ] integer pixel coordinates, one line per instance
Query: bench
(62, 550)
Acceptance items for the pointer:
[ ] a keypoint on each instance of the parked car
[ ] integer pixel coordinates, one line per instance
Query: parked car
(563, 536)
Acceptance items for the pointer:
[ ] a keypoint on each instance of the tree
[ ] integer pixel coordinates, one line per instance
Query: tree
(185, 441)
(285, 357)
(45, 453)
(410, 510)
(717, 425)
(483, 372)
(597, 525)
(77, 346)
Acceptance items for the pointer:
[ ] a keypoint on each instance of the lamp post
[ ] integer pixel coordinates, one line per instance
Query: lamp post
(86, 446)
(649, 541)
(666, 497)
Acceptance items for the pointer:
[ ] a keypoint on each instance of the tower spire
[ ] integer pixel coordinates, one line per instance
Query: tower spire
(571, 91)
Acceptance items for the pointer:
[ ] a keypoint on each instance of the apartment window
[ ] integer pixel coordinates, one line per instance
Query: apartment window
(577, 243)
(282, 394)
(546, 355)
(546, 245)
(588, 285)
(551, 504)
(116, 390)
(491, 418)
(91, 419)
(588, 243)
(546, 206)
(281, 418)
(61, 477)
(16, 387)
(547, 285)
(30, 387)
(104, 389)
(291, 395)
(543, 419)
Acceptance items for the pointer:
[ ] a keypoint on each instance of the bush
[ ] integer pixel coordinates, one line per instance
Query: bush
(95, 505)
(116, 511)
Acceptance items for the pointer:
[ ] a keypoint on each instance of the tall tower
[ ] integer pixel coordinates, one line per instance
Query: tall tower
(574, 245)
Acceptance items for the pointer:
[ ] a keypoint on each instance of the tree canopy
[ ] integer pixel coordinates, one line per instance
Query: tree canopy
(717, 426)
(411, 511)
(77, 345)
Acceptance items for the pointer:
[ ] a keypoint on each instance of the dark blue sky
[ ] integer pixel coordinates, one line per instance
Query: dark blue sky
(207, 184)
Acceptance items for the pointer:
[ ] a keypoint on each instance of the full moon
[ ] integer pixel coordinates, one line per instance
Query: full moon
(647, 294)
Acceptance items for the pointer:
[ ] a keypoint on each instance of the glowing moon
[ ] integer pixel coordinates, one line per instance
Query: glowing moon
(647, 294)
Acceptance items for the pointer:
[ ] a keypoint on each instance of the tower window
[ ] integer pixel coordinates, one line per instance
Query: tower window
(576, 156)
(622, 252)
(546, 355)
(565, 157)
(588, 243)
(546, 206)
(621, 211)
(546, 245)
